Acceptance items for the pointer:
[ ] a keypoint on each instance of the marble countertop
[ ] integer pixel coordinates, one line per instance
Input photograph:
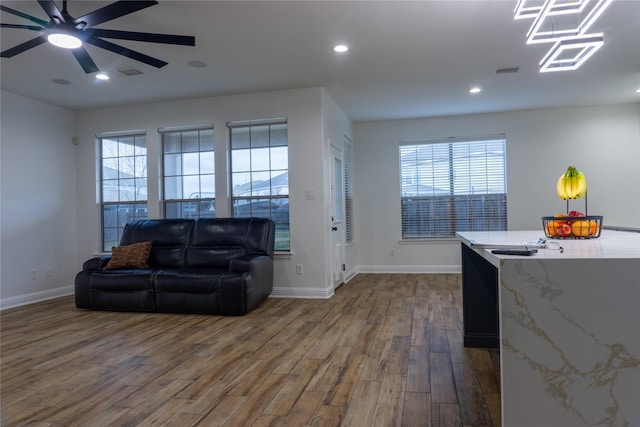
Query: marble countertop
(568, 330)
(611, 244)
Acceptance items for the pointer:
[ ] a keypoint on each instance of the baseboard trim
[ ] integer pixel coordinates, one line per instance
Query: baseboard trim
(25, 299)
(407, 269)
(311, 293)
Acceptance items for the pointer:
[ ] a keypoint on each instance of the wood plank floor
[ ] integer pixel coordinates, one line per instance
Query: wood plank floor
(385, 350)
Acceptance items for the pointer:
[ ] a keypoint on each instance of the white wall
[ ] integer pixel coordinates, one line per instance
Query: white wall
(303, 110)
(38, 207)
(603, 142)
(49, 213)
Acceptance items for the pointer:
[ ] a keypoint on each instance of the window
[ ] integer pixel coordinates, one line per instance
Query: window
(260, 174)
(348, 192)
(188, 173)
(123, 183)
(453, 185)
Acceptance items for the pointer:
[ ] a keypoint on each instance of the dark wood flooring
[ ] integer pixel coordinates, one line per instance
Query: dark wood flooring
(385, 350)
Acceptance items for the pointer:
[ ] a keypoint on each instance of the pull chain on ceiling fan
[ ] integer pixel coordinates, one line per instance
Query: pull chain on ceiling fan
(62, 25)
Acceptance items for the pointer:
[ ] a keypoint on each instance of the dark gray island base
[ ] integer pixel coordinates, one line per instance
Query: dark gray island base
(479, 300)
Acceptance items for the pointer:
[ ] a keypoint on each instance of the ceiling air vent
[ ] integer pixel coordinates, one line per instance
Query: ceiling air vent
(130, 72)
(508, 70)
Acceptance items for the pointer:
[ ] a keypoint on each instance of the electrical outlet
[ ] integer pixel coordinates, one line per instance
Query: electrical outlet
(34, 274)
(392, 252)
(299, 269)
(49, 271)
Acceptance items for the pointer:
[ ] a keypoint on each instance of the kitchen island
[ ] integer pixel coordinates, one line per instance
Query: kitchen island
(567, 324)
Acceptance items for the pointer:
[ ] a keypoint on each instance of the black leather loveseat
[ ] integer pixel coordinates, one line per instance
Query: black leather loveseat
(209, 266)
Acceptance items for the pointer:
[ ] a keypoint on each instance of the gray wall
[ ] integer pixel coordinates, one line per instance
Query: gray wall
(38, 207)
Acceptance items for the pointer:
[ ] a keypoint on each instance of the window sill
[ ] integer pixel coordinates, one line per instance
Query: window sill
(282, 255)
(434, 241)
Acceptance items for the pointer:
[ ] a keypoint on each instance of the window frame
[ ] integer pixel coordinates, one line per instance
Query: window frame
(137, 205)
(207, 202)
(438, 200)
(283, 226)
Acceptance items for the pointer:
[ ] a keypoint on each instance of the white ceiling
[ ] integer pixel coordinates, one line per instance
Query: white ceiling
(407, 58)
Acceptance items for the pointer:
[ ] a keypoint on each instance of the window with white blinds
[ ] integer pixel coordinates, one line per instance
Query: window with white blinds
(457, 184)
(348, 192)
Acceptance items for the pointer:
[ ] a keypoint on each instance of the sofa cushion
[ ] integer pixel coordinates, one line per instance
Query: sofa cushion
(170, 239)
(135, 255)
(122, 290)
(216, 241)
(197, 283)
(201, 293)
(125, 280)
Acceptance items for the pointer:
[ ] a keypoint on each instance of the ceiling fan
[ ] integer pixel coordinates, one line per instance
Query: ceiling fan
(63, 26)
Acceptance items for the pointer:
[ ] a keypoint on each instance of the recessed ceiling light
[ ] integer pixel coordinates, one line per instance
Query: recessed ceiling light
(102, 76)
(638, 90)
(341, 48)
(475, 90)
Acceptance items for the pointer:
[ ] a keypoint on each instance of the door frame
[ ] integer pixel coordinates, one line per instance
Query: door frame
(337, 220)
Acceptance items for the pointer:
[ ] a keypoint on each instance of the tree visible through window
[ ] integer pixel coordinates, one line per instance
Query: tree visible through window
(123, 179)
(260, 174)
(453, 185)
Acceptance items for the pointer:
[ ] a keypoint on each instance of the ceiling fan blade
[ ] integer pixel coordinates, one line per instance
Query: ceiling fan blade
(24, 27)
(85, 60)
(23, 15)
(121, 50)
(24, 46)
(143, 37)
(52, 10)
(112, 11)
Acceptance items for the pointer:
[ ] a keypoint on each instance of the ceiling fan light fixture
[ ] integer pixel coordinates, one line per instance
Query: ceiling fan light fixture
(64, 40)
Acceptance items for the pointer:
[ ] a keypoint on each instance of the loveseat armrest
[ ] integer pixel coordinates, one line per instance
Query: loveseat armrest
(248, 263)
(257, 272)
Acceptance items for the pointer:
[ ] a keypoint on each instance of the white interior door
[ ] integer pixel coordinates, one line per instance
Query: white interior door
(337, 217)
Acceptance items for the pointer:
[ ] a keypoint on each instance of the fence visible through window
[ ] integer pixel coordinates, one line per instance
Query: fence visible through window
(259, 159)
(458, 184)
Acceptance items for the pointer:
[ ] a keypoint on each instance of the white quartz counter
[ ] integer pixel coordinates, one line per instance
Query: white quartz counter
(610, 244)
(569, 329)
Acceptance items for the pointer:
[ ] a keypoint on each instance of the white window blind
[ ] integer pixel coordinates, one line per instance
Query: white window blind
(348, 192)
(457, 184)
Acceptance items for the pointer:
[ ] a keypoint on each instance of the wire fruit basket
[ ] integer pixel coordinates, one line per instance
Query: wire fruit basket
(572, 227)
